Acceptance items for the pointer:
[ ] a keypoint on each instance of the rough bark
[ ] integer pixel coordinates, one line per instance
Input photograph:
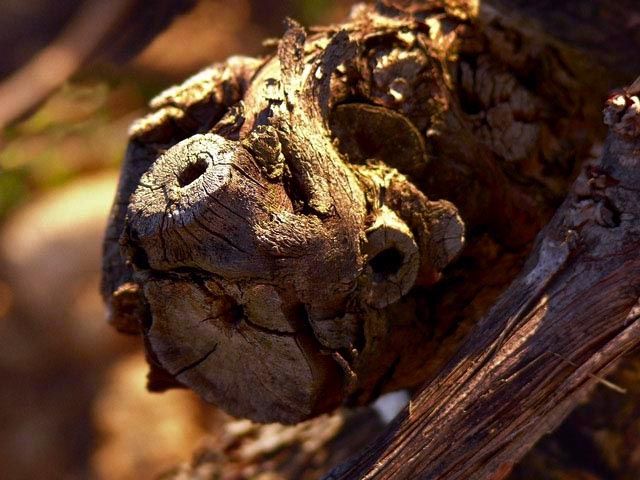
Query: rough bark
(278, 275)
(602, 29)
(600, 439)
(291, 231)
(243, 450)
(562, 325)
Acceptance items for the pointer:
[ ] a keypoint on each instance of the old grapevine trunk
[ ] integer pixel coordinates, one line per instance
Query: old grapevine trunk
(327, 223)
(283, 225)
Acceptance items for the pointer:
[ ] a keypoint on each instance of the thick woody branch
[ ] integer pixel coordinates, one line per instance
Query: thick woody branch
(561, 326)
(328, 223)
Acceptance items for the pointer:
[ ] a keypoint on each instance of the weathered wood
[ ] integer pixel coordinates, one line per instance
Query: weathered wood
(598, 440)
(598, 38)
(179, 111)
(240, 449)
(561, 326)
(259, 241)
(280, 268)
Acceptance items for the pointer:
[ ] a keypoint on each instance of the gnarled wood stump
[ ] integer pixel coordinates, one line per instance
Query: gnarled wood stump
(327, 223)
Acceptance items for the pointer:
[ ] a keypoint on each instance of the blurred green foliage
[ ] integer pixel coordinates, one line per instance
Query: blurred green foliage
(12, 189)
(80, 129)
(313, 11)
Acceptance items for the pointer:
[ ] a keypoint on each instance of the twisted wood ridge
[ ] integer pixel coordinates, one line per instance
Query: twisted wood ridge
(327, 223)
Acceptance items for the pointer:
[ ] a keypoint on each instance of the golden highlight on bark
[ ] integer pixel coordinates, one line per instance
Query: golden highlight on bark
(325, 224)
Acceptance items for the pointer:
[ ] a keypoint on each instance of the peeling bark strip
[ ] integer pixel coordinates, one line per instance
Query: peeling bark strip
(327, 223)
(562, 325)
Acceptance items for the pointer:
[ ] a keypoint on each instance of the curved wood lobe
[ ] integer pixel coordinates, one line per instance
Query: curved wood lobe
(205, 341)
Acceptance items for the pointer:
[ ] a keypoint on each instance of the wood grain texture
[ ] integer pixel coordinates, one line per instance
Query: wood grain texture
(563, 324)
(280, 262)
(256, 240)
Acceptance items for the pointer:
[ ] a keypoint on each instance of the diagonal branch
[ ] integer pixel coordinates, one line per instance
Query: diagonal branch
(560, 327)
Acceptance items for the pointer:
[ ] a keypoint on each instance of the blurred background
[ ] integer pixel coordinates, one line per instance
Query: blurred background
(72, 401)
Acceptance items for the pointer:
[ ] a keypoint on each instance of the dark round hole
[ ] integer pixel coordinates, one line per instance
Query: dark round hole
(236, 313)
(193, 171)
(386, 263)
